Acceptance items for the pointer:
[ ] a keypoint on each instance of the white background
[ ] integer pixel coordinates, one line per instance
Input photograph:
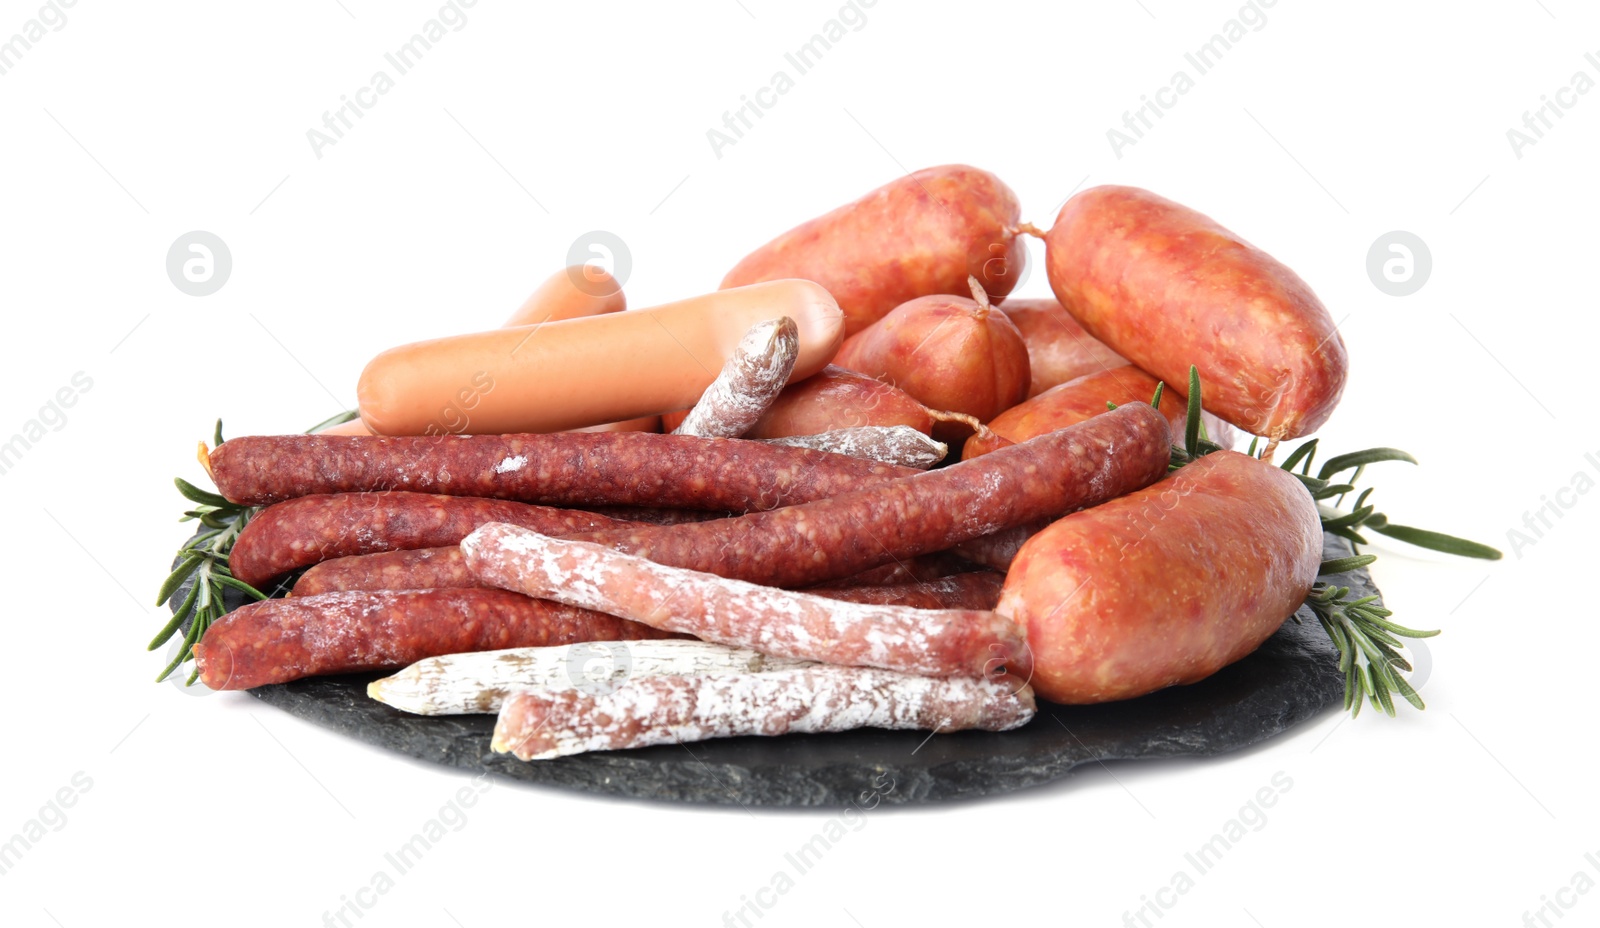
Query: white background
(463, 187)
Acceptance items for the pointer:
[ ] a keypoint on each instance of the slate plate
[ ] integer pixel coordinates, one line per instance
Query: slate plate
(1291, 678)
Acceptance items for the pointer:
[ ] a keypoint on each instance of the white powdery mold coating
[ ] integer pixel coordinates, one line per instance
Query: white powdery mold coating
(478, 682)
(511, 463)
(750, 380)
(891, 444)
(783, 623)
(542, 724)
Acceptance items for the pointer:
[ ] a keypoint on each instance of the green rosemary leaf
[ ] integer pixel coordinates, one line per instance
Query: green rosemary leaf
(1437, 541)
(1191, 428)
(1339, 565)
(1344, 462)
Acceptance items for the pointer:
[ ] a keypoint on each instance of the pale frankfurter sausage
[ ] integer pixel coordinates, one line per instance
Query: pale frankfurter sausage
(570, 293)
(581, 372)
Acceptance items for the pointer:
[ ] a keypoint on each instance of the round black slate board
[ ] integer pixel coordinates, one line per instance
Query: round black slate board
(1290, 678)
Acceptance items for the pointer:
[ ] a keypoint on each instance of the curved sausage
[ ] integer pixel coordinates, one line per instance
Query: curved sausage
(1166, 287)
(1073, 402)
(572, 469)
(1059, 349)
(1166, 585)
(406, 569)
(315, 528)
(831, 399)
(277, 640)
(801, 545)
(950, 352)
(570, 293)
(922, 234)
(580, 372)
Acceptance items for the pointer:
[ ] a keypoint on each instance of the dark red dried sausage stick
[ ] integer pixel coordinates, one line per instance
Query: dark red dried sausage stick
(315, 528)
(419, 569)
(977, 590)
(1079, 466)
(561, 469)
(277, 640)
(445, 568)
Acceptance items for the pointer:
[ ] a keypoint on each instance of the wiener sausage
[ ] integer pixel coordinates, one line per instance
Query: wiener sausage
(574, 469)
(805, 544)
(277, 640)
(922, 234)
(539, 724)
(580, 372)
(783, 623)
(571, 293)
(304, 531)
(1059, 349)
(1166, 585)
(1166, 287)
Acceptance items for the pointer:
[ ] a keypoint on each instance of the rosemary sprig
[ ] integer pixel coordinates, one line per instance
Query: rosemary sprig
(1368, 643)
(1369, 648)
(203, 562)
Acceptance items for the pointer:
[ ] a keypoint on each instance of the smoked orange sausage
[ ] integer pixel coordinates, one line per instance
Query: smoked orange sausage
(921, 235)
(1165, 585)
(1059, 349)
(580, 372)
(1166, 287)
(1073, 402)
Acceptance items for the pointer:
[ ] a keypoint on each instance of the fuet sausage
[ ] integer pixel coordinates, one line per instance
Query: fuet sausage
(1059, 349)
(539, 724)
(573, 469)
(1166, 585)
(1166, 287)
(304, 531)
(750, 380)
(277, 640)
(588, 371)
(783, 623)
(920, 235)
(1082, 465)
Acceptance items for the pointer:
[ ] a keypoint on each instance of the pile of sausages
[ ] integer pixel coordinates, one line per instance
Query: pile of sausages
(750, 509)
